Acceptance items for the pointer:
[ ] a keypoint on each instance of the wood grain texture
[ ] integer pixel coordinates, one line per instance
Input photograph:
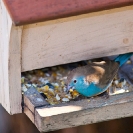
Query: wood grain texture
(77, 38)
(33, 99)
(84, 112)
(10, 68)
(0, 22)
(27, 11)
(0, 40)
(29, 114)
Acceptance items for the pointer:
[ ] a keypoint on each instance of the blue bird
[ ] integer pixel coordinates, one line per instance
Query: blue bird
(95, 78)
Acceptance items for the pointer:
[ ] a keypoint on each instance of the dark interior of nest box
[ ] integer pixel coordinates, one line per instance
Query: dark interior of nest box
(47, 86)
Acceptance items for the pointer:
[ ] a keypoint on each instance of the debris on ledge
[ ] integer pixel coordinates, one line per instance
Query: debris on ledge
(52, 82)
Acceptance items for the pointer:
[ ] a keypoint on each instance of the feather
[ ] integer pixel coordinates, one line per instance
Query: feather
(96, 72)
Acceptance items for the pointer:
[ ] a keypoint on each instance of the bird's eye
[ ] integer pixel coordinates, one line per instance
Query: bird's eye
(75, 81)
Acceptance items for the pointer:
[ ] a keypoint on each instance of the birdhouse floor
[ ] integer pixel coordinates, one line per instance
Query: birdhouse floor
(74, 113)
(77, 111)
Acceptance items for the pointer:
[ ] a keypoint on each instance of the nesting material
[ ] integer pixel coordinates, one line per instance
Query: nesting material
(52, 82)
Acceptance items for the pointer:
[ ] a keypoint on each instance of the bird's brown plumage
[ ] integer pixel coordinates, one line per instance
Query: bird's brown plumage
(101, 73)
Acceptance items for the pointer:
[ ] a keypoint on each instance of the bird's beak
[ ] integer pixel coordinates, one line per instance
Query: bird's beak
(69, 87)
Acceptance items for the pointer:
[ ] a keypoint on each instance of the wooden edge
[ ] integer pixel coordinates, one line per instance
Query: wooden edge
(28, 104)
(29, 113)
(14, 68)
(23, 12)
(83, 112)
(33, 99)
(10, 60)
(101, 34)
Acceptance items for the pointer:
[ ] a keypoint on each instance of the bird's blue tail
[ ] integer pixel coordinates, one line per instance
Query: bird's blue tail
(123, 58)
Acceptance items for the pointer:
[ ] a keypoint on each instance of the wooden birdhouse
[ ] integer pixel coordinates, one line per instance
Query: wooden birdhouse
(37, 34)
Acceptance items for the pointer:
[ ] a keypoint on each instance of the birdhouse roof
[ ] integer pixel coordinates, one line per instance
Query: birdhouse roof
(31, 11)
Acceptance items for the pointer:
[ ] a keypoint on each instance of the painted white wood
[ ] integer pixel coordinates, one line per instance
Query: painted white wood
(10, 68)
(77, 38)
(0, 41)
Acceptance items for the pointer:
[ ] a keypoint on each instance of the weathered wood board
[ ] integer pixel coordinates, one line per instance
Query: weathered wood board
(10, 60)
(0, 23)
(0, 39)
(30, 114)
(33, 99)
(75, 113)
(77, 38)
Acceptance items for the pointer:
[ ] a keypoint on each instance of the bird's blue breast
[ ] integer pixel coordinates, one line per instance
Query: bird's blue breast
(90, 90)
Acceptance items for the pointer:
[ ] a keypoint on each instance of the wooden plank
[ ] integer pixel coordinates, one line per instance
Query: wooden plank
(23, 12)
(77, 38)
(10, 68)
(29, 113)
(33, 99)
(0, 23)
(84, 112)
(0, 39)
